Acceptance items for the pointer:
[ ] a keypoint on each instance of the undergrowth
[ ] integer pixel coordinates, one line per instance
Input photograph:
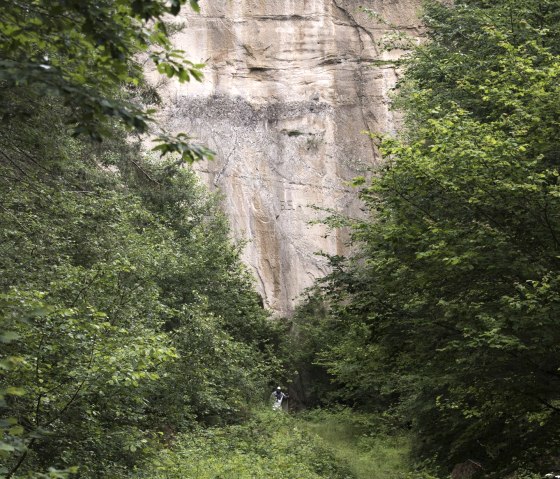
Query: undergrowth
(271, 444)
(371, 448)
(319, 444)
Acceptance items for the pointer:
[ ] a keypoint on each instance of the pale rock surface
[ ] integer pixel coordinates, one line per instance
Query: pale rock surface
(289, 89)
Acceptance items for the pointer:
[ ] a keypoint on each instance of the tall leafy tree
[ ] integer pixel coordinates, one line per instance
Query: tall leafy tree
(452, 306)
(126, 314)
(114, 330)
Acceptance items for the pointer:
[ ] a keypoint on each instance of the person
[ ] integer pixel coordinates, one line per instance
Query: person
(278, 396)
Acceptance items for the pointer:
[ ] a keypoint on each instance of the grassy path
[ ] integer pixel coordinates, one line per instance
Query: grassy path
(368, 456)
(316, 445)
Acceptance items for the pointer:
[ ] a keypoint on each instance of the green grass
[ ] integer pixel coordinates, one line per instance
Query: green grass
(362, 442)
(271, 444)
(315, 445)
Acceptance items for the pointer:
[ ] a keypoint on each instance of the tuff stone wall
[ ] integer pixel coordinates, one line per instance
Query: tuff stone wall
(289, 88)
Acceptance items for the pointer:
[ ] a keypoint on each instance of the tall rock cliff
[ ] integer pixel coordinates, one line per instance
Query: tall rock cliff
(289, 89)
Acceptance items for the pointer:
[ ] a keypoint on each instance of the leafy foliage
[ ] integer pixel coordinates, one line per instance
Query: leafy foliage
(126, 312)
(313, 329)
(268, 445)
(84, 53)
(450, 310)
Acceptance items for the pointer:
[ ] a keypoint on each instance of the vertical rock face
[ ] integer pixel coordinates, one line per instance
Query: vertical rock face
(289, 89)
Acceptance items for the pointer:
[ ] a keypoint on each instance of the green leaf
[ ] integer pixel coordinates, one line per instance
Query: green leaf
(8, 336)
(15, 391)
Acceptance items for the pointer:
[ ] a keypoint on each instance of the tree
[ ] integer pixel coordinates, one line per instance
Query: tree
(84, 53)
(116, 329)
(126, 314)
(455, 290)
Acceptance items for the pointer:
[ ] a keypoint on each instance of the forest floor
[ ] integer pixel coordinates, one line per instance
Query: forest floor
(369, 450)
(315, 445)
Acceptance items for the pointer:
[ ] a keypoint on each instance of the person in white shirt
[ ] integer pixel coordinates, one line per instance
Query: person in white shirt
(278, 396)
